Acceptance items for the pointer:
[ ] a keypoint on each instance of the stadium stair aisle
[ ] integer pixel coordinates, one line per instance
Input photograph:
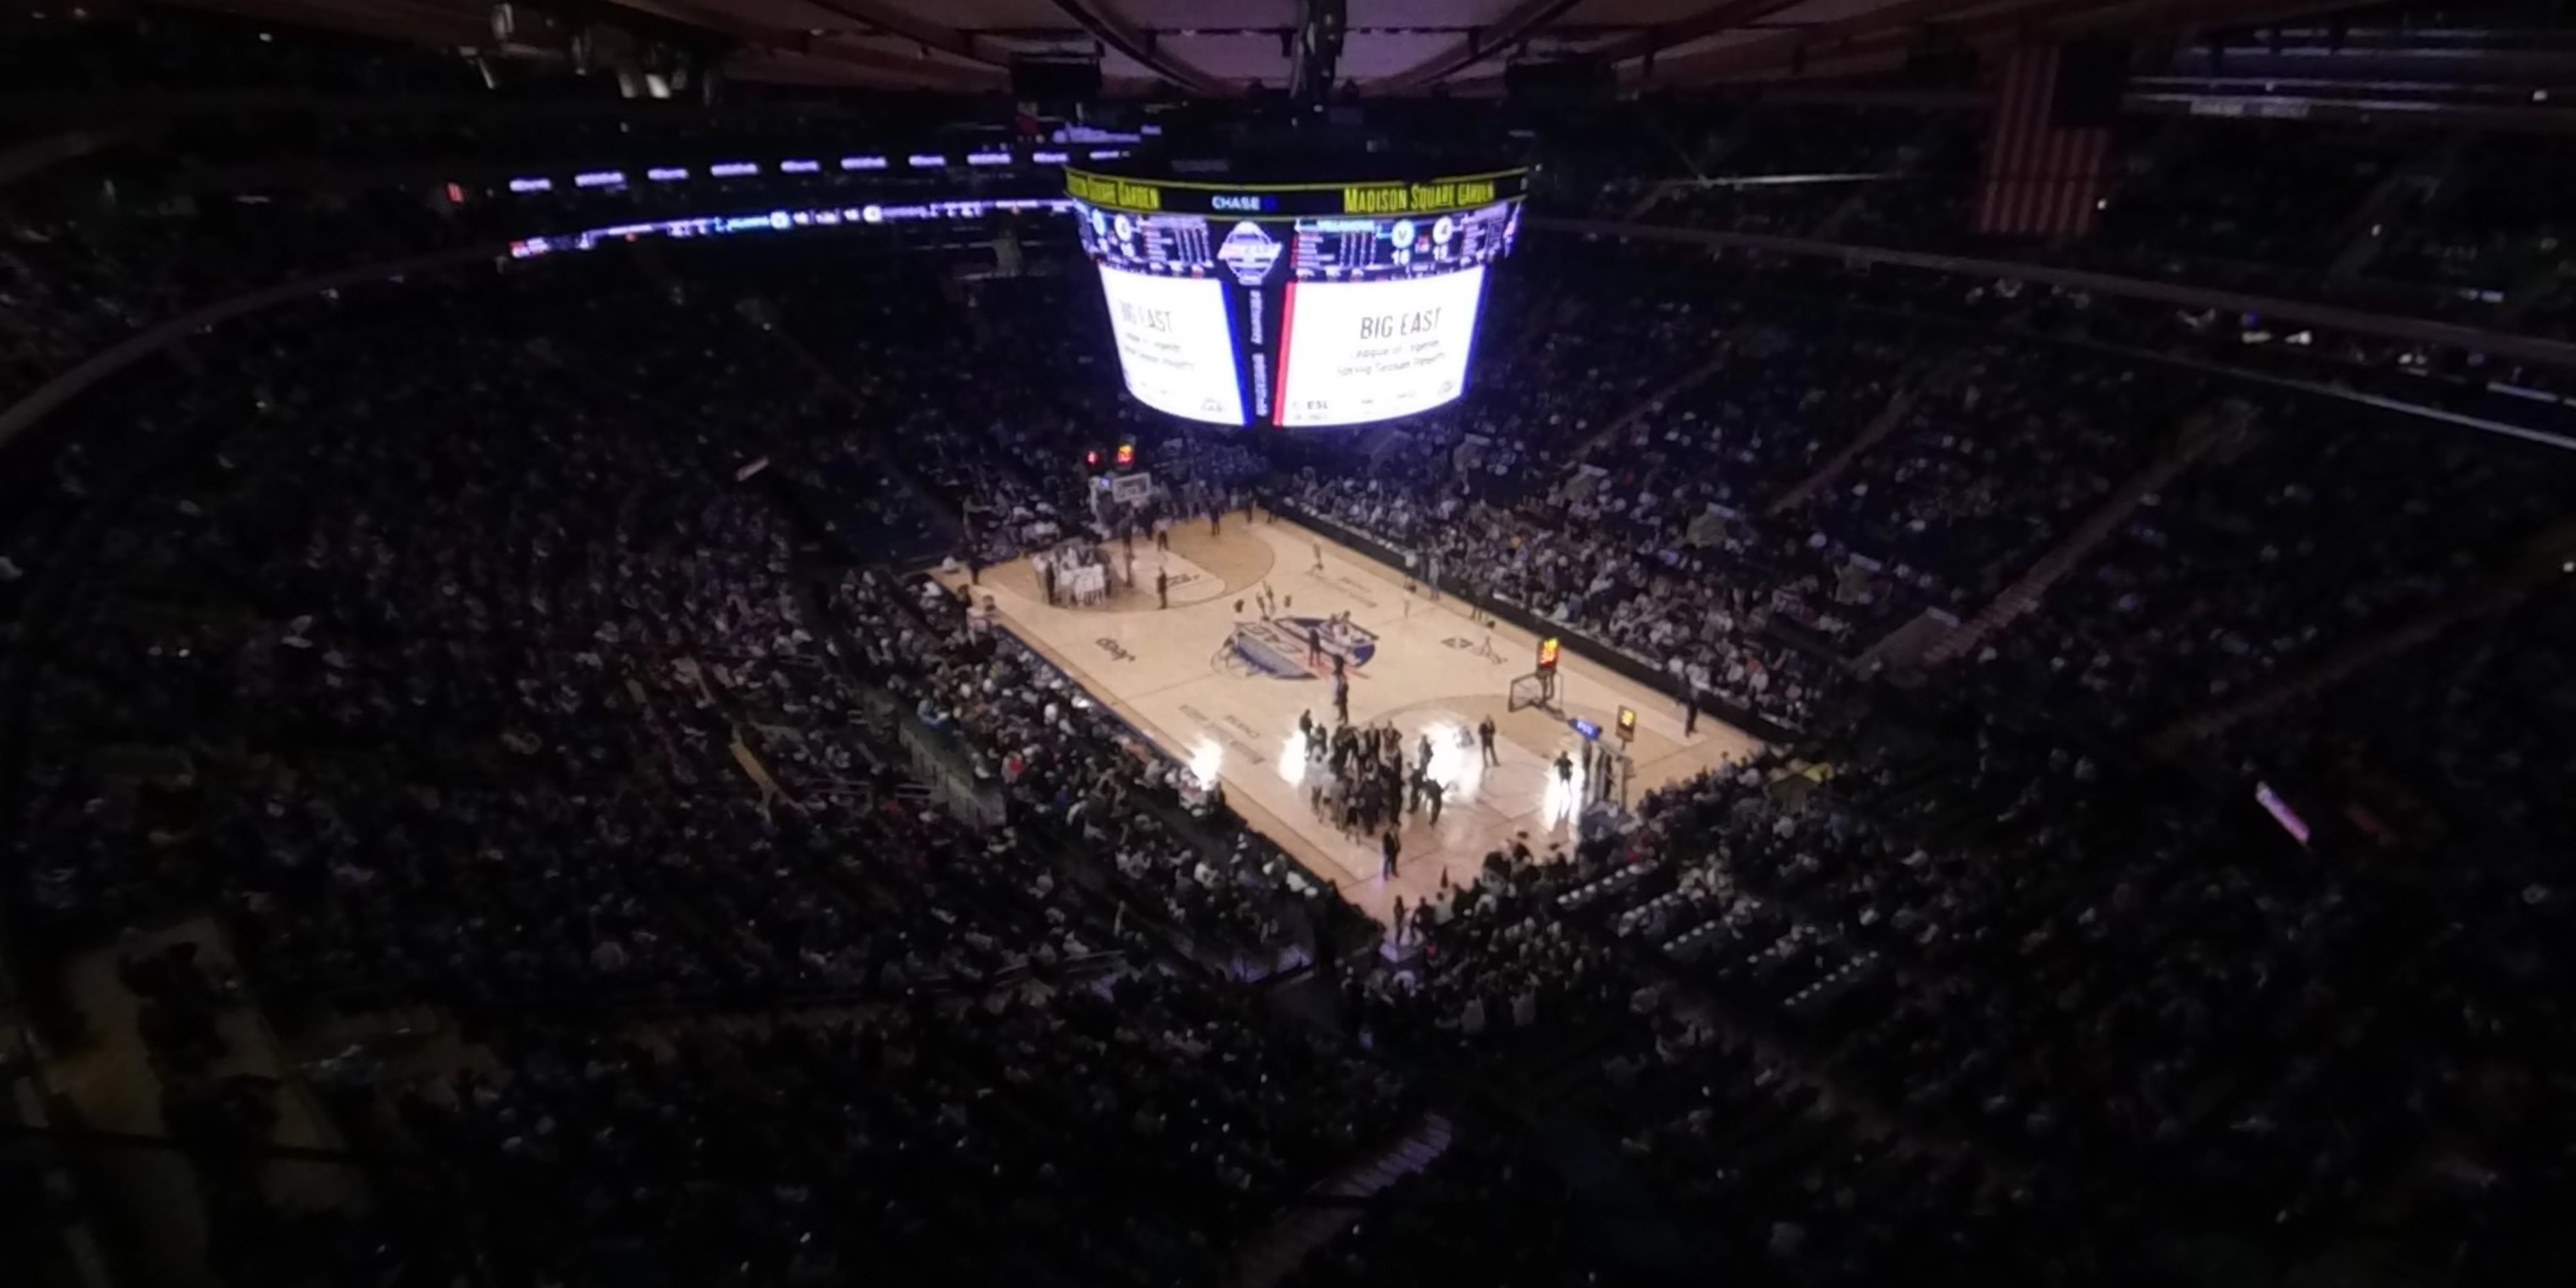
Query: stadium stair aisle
(775, 325)
(2535, 286)
(1900, 652)
(772, 325)
(2544, 559)
(1333, 1205)
(1923, 147)
(2194, 439)
(2377, 222)
(1720, 146)
(1528, 333)
(1880, 428)
(1655, 399)
(1643, 204)
(28, 157)
(1819, 1062)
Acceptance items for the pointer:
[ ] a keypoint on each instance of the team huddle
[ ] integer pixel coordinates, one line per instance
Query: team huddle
(1368, 787)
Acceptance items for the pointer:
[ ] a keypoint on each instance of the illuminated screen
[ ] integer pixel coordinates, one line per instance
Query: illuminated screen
(1174, 345)
(1363, 351)
(1304, 322)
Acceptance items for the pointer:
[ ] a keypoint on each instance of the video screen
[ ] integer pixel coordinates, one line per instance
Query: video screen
(1317, 321)
(1175, 347)
(1175, 244)
(1334, 250)
(1372, 350)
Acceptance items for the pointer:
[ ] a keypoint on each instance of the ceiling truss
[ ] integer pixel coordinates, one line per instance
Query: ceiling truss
(1426, 46)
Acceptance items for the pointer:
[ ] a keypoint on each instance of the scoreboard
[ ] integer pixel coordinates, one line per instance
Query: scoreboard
(1295, 304)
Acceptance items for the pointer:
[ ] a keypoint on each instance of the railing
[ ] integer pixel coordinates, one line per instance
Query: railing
(37, 154)
(937, 757)
(1180, 822)
(2547, 353)
(984, 803)
(941, 759)
(762, 1000)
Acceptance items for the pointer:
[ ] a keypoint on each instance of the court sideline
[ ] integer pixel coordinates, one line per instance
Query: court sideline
(1217, 686)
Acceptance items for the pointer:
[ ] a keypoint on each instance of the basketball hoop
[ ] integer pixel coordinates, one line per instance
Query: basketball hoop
(1536, 689)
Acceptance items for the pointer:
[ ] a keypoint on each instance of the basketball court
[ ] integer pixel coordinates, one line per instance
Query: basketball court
(1220, 688)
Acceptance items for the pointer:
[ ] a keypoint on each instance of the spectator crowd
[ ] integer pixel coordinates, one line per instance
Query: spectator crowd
(551, 646)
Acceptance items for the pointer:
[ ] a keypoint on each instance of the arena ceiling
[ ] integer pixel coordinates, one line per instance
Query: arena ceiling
(1226, 47)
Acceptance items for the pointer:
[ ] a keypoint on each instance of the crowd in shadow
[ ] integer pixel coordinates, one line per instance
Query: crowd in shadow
(551, 646)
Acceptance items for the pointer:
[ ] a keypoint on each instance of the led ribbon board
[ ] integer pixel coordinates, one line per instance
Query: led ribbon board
(1441, 195)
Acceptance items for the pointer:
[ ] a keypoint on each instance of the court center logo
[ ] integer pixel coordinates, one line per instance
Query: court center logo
(1295, 648)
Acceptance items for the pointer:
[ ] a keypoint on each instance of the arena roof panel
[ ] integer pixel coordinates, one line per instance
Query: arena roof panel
(1224, 47)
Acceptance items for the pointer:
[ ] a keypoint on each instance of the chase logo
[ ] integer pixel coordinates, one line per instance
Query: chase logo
(1278, 648)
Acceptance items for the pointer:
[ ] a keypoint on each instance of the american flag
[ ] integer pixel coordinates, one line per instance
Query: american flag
(2042, 179)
